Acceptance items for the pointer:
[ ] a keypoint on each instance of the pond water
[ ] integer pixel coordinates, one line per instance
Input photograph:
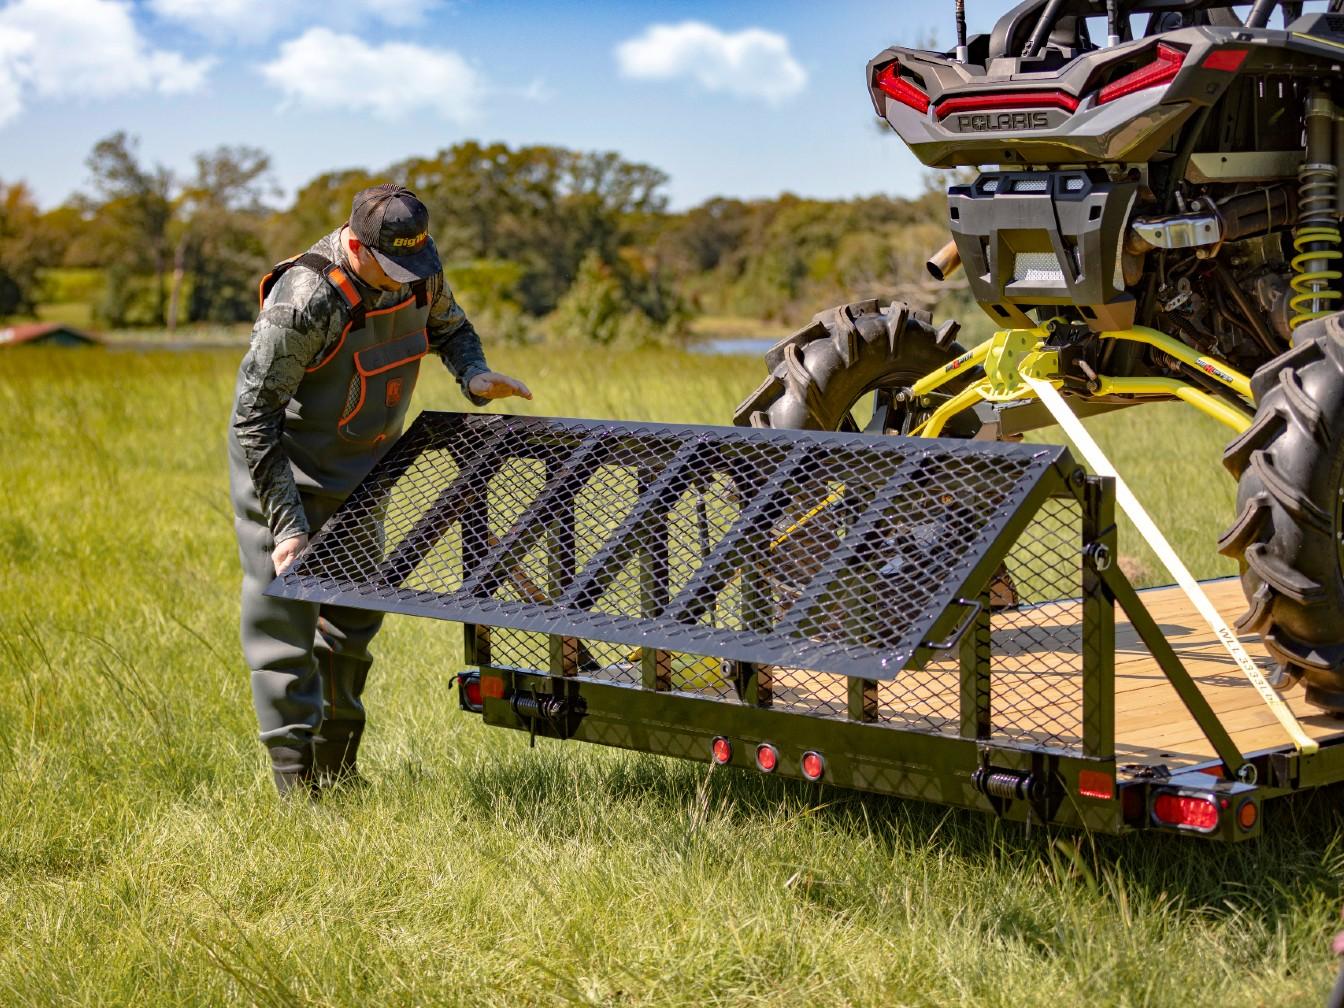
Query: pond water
(747, 347)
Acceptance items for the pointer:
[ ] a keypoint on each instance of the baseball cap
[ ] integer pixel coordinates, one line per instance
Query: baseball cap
(394, 225)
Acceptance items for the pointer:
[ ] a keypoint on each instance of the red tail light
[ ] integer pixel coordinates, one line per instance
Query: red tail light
(721, 751)
(1192, 812)
(814, 767)
(1096, 784)
(767, 757)
(471, 692)
(891, 83)
(1010, 100)
(1161, 71)
(1226, 60)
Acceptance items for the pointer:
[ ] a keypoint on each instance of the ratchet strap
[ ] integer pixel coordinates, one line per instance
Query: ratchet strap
(1097, 459)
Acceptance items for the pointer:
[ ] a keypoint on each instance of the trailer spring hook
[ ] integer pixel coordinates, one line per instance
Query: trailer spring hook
(1004, 784)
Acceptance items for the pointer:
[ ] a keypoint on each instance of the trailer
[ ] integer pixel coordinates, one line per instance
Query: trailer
(934, 619)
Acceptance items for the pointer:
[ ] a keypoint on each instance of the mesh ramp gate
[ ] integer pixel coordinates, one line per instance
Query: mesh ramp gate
(848, 553)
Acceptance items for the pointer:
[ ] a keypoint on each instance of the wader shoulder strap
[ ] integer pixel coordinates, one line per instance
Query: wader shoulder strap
(331, 272)
(421, 291)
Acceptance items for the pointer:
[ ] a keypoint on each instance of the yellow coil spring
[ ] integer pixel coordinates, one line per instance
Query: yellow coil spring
(1310, 282)
(1313, 296)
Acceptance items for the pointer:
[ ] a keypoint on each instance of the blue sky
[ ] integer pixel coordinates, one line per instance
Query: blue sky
(742, 99)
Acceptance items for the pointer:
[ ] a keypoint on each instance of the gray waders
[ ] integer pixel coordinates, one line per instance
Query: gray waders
(309, 663)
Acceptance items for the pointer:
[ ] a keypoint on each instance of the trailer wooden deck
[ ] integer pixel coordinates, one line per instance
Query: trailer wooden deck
(1037, 692)
(1151, 725)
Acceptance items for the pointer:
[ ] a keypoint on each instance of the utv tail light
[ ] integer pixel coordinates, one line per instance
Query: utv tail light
(1226, 60)
(1161, 71)
(767, 757)
(1010, 100)
(814, 767)
(1186, 811)
(893, 85)
(720, 751)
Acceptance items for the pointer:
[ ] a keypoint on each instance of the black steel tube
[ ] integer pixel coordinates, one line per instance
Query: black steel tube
(1258, 211)
(961, 25)
(1214, 388)
(1259, 16)
(1257, 325)
(1112, 20)
(1044, 26)
(1183, 157)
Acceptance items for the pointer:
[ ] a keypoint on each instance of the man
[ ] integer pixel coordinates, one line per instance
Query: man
(322, 393)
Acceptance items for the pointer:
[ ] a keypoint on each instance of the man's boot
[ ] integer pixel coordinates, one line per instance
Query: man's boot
(334, 752)
(292, 771)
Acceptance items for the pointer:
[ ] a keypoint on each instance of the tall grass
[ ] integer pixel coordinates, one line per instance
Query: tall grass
(144, 859)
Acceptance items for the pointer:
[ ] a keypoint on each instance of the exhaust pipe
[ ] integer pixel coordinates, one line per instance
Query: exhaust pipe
(944, 262)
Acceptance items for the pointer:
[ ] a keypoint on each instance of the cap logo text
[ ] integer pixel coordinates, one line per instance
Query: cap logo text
(410, 242)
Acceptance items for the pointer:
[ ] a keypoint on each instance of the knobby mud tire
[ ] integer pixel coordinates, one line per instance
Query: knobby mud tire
(820, 372)
(816, 377)
(1290, 470)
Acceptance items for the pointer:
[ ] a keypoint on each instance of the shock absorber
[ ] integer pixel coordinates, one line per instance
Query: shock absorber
(1316, 239)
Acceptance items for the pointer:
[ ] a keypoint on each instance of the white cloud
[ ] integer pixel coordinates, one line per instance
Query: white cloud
(324, 69)
(752, 63)
(257, 20)
(84, 49)
(251, 20)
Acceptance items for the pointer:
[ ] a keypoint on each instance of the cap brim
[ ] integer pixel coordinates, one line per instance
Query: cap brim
(408, 269)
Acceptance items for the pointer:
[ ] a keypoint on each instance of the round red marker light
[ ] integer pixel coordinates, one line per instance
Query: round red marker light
(767, 757)
(814, 767)
(721, 751)
(472, 689)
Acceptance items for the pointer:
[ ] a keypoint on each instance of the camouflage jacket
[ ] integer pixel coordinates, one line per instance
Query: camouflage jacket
(300, 323)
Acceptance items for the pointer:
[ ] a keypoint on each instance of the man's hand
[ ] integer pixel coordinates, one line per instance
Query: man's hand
(493, 385)
(287, 552)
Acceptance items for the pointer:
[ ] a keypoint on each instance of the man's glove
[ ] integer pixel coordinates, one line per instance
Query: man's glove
(493, 385)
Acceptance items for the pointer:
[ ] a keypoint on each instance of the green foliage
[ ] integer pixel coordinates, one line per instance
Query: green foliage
(615, 305)
(146, 861)
(21, 250)
(527, 232)
(134, 216)
(320, 206)
(64, 284)
(544, 208)
(220, 243)
(788, 258)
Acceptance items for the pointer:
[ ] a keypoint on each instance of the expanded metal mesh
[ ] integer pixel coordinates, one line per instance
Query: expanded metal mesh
(782, 548)
(1036, 644)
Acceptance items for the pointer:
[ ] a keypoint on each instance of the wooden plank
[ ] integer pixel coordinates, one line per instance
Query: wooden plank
(1044, 687)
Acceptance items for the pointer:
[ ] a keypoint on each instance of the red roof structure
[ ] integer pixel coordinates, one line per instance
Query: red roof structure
(46, 334)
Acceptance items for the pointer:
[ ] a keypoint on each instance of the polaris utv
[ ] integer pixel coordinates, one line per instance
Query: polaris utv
(1156, 216)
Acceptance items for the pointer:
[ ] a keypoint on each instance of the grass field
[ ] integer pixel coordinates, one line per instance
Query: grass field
(145, 860)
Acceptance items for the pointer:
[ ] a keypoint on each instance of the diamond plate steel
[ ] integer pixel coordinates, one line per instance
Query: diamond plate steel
(835, 552)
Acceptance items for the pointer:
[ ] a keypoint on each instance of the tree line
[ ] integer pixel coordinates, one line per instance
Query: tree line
(534, 239)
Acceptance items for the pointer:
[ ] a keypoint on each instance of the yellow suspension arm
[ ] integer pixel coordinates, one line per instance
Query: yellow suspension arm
(1209, 405)
(951, 369)
(1186, 354)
